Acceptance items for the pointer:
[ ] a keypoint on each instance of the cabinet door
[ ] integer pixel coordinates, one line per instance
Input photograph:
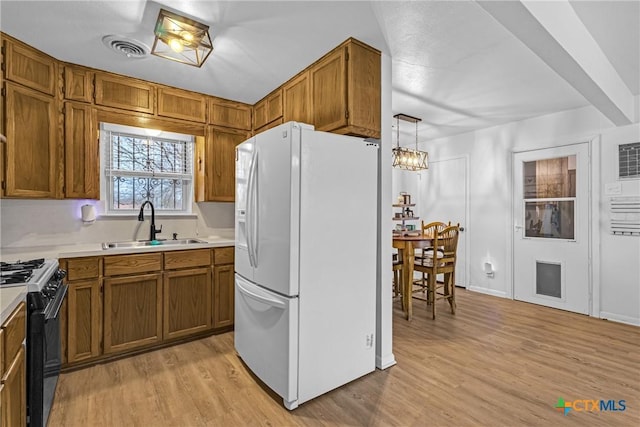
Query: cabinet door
(180, 104)
(364, 86)
(78, 84)
(297, 99)
(124, 93)
(29, 67)
(132, 312)
(220, 163)
(84, 315)
(82, 152)
(269, 125)
(223, 295)
(14, 331)
(32, 143)
(229, 114)
(329, 91)
(14, 393)
(187, 302)
(268, 109)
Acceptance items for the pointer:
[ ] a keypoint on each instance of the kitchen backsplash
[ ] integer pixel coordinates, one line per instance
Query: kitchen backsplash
(27, 223)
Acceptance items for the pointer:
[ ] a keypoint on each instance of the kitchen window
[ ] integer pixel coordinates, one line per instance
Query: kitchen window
(142, 164)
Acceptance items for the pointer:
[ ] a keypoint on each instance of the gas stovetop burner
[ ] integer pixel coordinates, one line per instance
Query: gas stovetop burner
(15, 277)
(22, 265)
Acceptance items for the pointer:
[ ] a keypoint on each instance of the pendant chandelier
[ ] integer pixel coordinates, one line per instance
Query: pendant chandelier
(406, 158)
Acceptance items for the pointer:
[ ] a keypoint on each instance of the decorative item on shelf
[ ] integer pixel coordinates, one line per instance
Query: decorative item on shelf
(181, 39)
(407, 158)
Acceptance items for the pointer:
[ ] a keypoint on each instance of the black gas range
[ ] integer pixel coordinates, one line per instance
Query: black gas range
(45, 295)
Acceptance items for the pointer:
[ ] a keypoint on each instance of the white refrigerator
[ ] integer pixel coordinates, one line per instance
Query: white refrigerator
(305, 259)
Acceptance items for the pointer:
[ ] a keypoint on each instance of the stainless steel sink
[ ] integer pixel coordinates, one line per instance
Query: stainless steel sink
(145, 243)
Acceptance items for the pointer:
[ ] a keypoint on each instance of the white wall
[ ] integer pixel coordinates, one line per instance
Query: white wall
(617, 271)
(29, 223)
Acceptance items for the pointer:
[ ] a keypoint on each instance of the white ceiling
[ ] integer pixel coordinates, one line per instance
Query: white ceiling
(454, 63)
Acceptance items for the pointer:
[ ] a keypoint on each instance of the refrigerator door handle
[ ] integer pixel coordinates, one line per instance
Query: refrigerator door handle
(253, 196)
(249, 213)
(260, 298)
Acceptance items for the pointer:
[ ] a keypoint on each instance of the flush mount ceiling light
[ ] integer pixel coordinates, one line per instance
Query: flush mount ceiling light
(181, 39)
(406, 158)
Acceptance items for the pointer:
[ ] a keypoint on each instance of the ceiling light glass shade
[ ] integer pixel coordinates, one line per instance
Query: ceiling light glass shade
(407, 158)
(181, 39)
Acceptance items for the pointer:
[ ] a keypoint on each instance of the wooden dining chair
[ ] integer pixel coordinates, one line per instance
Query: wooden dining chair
(430, 229)
(441, 260)
(397, 275)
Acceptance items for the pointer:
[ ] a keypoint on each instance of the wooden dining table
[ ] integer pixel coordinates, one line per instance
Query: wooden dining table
(406, 246)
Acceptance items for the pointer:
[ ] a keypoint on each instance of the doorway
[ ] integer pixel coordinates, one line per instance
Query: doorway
(551, 227)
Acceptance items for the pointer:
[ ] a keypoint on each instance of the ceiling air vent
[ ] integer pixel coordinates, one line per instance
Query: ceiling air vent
(125, 46)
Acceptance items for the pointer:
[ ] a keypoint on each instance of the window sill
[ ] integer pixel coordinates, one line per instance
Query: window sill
(148, 215)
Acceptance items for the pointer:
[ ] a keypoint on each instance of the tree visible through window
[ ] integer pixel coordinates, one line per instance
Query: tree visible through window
(141, 168)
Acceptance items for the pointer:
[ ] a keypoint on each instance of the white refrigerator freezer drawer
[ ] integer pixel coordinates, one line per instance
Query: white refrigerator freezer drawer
(266, 337)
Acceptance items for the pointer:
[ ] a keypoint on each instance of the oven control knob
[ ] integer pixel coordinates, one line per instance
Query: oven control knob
(60, 274)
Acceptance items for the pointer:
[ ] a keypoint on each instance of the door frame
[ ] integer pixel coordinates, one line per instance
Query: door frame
(593, 216)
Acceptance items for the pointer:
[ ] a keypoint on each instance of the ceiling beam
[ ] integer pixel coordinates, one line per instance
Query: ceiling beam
(554, 32)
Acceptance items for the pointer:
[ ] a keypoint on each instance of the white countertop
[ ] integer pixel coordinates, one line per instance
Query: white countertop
(95, 249)
(11, 297)
(9, 300)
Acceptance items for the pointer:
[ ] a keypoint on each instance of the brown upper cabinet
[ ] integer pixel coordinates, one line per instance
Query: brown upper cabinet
(78, 84)
(297, 99)
(345, 90)
(216, 163)
(81, 151)
(124, 93)
(268, 109)
(32, 143)
(181, 104)
(29, 67)
(229, 114)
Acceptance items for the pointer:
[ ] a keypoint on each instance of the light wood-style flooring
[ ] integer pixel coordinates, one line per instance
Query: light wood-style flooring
(496, 362)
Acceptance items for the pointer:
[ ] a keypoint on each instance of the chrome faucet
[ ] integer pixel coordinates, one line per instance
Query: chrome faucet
(152, 231)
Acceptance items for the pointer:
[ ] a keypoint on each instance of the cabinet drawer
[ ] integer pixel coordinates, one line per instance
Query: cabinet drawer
(14, 332)
(83, 268)
(186, 259)
(132, 264)
(223, 255)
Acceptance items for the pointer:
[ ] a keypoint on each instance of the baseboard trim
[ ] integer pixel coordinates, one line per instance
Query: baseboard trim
(634, 321)
(487, 291)
(383, 363)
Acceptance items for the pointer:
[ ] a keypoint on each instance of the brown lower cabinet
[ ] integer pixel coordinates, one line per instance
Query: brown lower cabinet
(187, 302)
(14, 393)
(132, 312)
(13, 386)
(84, 320)
(122, 303)
(223, 294)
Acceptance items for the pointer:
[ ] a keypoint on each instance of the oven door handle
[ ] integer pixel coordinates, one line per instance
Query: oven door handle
(52, 311)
